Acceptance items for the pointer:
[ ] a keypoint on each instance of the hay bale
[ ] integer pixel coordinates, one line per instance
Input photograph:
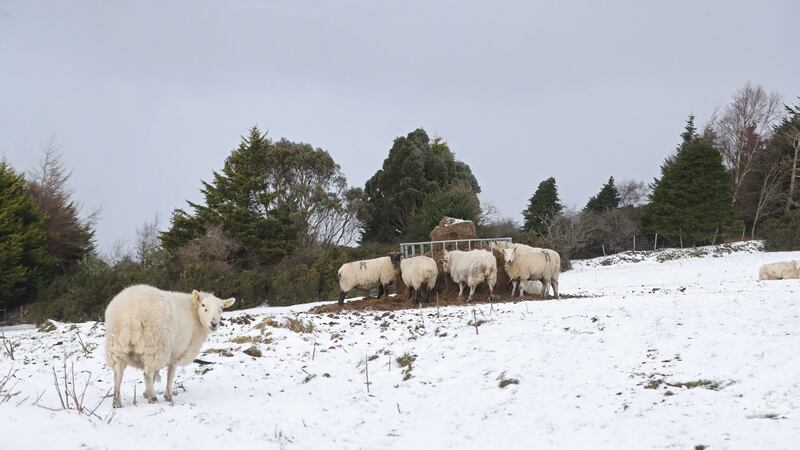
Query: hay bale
(450, 228)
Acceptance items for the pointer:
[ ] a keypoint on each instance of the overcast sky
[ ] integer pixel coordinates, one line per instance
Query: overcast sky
(145, 99)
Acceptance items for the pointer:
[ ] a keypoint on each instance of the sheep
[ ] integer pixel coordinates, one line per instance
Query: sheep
(367, 274)
(472, 267)
(531, 287)
(150, 329)
(523, 263)
(418, 271)
(784, 270)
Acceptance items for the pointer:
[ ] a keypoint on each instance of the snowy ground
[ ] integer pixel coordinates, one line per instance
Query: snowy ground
(608, 371)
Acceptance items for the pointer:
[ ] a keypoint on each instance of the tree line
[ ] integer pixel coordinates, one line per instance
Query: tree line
(279, 218)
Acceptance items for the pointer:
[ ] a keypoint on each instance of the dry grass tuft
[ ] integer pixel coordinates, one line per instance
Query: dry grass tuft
(290, 323)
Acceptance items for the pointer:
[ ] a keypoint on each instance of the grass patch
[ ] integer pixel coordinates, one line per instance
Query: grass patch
(290, 323)
(220, 351)
(504, 382)
(265, 339)
(253, 351)
(770, 416)
(47, 326)
(406, 362)
(703, 383)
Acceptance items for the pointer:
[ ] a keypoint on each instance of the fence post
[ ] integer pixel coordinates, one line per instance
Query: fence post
(714, 241)
(634, 243)
(655, 242)
(680, 232)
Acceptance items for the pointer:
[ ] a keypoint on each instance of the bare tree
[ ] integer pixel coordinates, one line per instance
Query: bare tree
(571, 231)
(770, 190)
(633, 193)
(791, 135)
(742, 129)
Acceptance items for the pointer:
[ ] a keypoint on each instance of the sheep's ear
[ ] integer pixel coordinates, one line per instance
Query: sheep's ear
(228, 303)
(196, 295)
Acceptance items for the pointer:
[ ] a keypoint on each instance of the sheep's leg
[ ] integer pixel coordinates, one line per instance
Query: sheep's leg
(380, 291)
(555, 287)
(170, 378)
(471, 292)
(149, 392)
(460, 291)
(411, 294)
(514, 288)
(341, 298)
(119, 368)
(491, 291)
(545, 288)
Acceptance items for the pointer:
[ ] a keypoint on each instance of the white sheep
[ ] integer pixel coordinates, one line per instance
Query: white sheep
(523, 263)
(419, 271)
(784, 270)
(533, 287)
(472, 267)
(150, 329)
(368, 274)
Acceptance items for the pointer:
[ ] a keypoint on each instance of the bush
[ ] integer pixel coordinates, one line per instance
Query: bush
(782, 234)
(80, 295)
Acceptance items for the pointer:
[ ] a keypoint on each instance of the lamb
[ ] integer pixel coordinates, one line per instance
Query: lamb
(367, 274)
(150, 329)
(523, 263)
(472, 267)
(784, 270)
(531, 287)
(418, 271)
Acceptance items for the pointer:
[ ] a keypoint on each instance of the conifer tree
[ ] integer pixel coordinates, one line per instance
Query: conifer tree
(543, 206)
(24, 262)
(607, 198)
(692, 198)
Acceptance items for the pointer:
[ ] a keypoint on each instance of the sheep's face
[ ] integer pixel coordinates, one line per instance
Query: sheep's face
(446, 262)
(209, 308)
(509, 255)
(395, 258)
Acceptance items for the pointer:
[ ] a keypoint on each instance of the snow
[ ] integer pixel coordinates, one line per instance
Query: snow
(582, 367)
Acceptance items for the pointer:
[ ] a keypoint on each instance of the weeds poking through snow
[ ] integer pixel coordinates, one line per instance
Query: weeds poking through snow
(503, 381)
(8, 346)
(290, 323)
(68, 394)
(406, 362)
(87, 348)
(6, 390)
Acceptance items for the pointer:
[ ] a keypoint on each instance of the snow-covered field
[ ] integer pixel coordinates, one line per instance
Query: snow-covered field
(689, 351)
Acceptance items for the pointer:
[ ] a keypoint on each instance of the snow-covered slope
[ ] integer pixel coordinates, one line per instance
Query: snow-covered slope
(688, 351)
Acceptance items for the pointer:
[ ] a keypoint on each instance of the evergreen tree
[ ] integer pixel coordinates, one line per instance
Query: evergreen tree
(415, 168)
(70, 236)
(456, 201)
(689, 132)
(542, 207)
(243, 200)
(692, 197)
(24, 262)
(607, 198)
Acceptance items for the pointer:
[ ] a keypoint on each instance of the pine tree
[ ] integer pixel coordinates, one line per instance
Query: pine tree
(692, 198)
(607, 198)
(24, 262)
(543, 206)
(242, 199)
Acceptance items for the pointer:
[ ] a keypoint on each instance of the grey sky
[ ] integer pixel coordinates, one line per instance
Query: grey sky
(145, 99)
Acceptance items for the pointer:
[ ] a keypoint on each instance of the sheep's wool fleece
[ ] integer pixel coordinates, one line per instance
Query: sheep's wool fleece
(148, 326)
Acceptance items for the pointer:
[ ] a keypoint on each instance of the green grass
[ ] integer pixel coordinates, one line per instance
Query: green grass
(406, 362)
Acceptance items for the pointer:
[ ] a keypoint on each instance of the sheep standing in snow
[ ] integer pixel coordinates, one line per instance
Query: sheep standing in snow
(472, 267)
(150, 329)
(523, 263)
(784, 270)
(419, 271)
(368, 274)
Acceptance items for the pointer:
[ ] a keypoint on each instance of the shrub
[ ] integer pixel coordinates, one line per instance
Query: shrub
(782, 233)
